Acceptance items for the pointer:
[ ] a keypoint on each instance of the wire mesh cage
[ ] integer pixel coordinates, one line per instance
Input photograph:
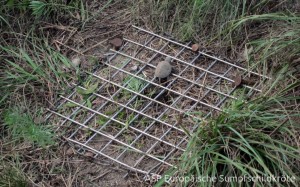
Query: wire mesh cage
(124, 114)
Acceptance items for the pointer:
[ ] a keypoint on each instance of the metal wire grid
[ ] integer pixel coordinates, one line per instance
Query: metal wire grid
(137, 121)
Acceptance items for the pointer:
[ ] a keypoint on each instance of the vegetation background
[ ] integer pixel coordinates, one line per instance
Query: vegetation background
(260, 137)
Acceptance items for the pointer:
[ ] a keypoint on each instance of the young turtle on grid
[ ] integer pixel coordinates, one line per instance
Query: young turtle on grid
(163, 69)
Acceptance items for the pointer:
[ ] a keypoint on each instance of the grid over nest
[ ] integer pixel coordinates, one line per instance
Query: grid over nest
(121, 112)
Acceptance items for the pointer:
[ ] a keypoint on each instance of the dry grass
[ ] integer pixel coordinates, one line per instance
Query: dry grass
(35, 52)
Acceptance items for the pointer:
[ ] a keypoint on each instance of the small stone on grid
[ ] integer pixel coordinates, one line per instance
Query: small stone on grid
(163, 69)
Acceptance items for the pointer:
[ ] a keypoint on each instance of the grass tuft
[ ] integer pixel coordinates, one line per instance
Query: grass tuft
(271, 28)
(23, 127)
(254, 139)
(12, 177)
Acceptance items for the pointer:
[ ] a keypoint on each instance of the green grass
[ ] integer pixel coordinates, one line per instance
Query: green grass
(46, 10)
(259, 137)
(35, 69)
(196, 18)
(279, 46)
(186, 18)
(254, 138)
(23, 127)
(12, 177)
(228, 24)
(21, 130)
(134, 84)
(33, 72)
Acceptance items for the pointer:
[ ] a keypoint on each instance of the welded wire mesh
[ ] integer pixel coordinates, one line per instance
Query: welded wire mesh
(125, 114)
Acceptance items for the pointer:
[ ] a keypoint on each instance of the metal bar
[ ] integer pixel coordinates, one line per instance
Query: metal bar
(120, 122)
(178, 110)
(125, 64)
(146, 107)
(76, 109)
(132, 109)
(109, 157)
(178, 76)
(60, 104)
(153, 146)
(110, 137)
(182, 61)
(204, 54)
(142, 111)
(208, 105)
(132, 99)
(194, 128)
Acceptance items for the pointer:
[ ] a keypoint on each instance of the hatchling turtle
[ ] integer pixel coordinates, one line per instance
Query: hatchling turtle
(163, 69)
